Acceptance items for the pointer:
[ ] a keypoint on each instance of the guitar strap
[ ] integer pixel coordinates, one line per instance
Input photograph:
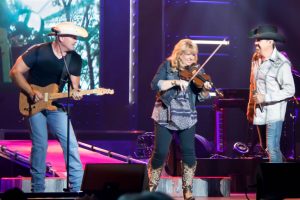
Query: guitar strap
(64, 73)
(62, 82)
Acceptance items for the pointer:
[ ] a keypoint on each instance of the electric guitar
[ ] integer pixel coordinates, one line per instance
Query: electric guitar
(50, 93)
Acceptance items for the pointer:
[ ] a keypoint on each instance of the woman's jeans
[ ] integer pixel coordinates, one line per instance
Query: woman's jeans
(56, 123)
(273, 135)
(163, 138)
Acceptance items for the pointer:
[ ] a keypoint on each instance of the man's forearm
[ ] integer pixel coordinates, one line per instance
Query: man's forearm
(20, 81)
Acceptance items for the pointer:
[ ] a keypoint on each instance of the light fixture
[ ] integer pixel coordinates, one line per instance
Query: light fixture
(240, 148)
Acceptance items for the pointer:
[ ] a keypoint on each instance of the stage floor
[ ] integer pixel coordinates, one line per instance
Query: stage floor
(55, 155)
(241, 171)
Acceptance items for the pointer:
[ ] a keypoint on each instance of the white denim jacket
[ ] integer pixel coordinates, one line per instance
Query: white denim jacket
(274, 79)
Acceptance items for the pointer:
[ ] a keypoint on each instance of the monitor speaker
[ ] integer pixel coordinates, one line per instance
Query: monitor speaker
(278, 180)
(111, 180)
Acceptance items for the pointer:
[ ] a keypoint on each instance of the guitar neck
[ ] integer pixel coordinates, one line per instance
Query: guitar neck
(53, 96)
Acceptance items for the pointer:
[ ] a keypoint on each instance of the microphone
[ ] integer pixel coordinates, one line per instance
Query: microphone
(54, 30)
(259, 105)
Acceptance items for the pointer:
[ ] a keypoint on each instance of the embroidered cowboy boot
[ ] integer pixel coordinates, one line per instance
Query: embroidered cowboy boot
(154, 177)
(187, 180)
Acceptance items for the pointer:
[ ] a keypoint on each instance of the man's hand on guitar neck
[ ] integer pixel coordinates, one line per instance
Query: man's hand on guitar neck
(76, 95)
(36, 96)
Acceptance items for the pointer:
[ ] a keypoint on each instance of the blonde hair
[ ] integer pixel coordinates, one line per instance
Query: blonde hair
(183, 46)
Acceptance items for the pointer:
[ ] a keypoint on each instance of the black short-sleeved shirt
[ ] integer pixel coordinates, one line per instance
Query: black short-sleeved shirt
(45, 67)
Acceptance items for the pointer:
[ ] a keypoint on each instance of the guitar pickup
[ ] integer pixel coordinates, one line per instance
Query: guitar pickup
(46, 96)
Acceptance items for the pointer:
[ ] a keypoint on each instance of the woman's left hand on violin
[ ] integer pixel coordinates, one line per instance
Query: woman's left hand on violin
(207, 85)
(206, 88)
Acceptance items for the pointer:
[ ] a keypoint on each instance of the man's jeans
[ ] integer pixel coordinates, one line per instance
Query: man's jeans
(56, 122)
(273, 141)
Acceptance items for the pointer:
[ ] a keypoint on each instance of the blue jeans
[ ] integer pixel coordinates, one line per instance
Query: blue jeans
(56, 122)
(273, 135)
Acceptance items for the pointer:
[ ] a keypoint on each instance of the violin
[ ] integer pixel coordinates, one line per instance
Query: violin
(199, 79)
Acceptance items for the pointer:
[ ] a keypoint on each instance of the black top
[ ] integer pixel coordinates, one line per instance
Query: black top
(45, 67)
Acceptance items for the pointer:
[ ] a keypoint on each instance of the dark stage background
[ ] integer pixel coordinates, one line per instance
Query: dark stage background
(160, 25)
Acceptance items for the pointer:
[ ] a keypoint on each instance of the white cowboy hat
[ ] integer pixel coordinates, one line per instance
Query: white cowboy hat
(68, 28)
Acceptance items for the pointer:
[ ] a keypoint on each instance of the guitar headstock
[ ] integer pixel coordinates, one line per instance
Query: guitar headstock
(102, 91)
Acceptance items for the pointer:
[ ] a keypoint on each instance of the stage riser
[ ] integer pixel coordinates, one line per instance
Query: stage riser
(241, 171)
(202, 187)
(52, 184)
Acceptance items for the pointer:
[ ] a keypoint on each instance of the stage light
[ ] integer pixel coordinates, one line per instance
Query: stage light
(240, 148)
(213, 42)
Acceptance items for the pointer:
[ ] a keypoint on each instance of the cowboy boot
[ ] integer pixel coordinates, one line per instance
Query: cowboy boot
(187, 181)
(154, 177)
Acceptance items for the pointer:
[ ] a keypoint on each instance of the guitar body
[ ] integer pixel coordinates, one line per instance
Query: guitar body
(29, 108)
(50, 92)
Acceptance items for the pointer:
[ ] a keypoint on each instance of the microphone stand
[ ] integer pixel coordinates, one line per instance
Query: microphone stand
(294, 117)
(69, 85)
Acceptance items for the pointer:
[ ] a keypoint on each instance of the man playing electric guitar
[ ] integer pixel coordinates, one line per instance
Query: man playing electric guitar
(50, 93)
(44, 64)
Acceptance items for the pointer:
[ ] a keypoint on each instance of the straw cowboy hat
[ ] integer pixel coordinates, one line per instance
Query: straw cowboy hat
(68, 28)
(266, 32)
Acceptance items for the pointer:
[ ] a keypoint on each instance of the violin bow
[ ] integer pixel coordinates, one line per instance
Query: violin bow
(206, 61)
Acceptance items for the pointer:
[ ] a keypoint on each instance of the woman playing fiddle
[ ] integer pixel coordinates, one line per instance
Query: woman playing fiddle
(175, 113)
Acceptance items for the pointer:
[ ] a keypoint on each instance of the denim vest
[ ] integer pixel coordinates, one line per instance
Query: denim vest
(165, 72)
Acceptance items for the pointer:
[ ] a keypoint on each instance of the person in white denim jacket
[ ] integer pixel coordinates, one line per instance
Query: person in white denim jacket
(271, 86)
